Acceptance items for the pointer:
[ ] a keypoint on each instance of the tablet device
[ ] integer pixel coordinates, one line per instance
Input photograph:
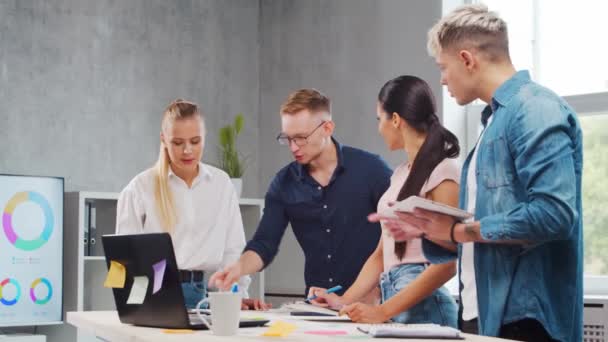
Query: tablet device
(409, 204)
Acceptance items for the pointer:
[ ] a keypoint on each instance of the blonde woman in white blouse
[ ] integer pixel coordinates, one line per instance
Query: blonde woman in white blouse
(194, 202)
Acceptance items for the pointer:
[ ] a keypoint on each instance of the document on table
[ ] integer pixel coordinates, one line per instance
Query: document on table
(309, 312)
(411, 331)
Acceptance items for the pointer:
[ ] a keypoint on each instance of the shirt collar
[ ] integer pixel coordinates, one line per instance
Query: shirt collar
(203, 172)
(507, 90)
(301, 169)
(486, 113)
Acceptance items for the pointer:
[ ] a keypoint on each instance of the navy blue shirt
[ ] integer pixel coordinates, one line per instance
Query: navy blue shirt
(330, 222)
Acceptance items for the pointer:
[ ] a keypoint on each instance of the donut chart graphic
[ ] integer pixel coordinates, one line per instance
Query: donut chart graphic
(13, 301)
(7, 220)
(48, 286)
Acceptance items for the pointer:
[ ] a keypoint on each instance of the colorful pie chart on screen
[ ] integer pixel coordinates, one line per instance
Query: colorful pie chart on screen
(49, 288)
(11, 231)
(9, 282)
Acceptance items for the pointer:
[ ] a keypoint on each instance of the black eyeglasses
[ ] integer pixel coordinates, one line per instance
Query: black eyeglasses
(284, 139)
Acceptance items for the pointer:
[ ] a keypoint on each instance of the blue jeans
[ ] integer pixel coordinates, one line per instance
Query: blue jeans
(194, 292)
(439, 307)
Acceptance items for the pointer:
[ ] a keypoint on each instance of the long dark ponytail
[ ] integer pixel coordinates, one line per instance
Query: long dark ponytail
(412, 99)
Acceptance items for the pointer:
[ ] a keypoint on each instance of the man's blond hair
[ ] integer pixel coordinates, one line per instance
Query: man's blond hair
(470, 27)
(311, 99)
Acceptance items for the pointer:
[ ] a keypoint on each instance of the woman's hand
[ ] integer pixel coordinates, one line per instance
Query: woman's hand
(325, 299)
(400, 230)
(365, 313)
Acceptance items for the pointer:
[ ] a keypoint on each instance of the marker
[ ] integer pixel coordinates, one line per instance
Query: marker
(332, 290)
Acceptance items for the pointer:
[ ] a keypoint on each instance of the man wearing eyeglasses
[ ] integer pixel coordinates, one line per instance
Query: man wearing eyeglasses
(325, 194)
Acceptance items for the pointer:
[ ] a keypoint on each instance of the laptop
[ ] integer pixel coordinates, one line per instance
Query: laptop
(165, 308)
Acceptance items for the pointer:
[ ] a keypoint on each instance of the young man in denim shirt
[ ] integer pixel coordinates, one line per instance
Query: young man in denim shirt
(520, 258)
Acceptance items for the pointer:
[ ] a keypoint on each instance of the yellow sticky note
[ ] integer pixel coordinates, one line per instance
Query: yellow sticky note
(280, 329)
(116, 275)
(178, 331)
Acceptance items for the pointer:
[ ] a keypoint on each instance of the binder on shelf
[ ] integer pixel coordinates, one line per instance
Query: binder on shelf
(93, 230)
(87, 228)
(90, 231)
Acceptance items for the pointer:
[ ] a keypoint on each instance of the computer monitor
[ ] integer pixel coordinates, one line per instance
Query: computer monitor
(31, 250)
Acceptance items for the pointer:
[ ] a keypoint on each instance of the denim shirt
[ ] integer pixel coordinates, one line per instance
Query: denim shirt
(528, 172)
(329, 222)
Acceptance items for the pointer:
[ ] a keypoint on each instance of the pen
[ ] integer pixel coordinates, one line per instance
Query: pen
(331, 290)
(235, 288)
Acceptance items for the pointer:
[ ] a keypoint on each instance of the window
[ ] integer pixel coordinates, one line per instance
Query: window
(560, 42)
(595, 192)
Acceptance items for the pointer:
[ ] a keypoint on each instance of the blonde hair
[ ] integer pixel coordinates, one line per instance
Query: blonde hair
(310, 99)
(177, 110)
(470, 27)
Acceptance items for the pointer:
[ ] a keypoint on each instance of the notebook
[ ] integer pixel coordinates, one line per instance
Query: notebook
(411, 331)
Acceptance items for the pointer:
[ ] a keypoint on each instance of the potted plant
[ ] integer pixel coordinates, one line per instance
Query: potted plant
(230, 160)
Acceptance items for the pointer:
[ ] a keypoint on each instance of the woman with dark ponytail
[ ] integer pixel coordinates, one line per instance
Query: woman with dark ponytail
(412, 290)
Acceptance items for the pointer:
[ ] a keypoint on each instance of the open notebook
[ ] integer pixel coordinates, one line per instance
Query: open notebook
(411, 331)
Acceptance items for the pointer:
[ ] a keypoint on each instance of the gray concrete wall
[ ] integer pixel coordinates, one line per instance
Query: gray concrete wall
(83, 83)
(347, 49)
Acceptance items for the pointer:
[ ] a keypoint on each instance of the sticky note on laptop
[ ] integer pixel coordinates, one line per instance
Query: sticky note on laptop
(116, 276)
(159, 275)
(138, 290)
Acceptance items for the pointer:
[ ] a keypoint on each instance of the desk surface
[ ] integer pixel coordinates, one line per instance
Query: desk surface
(106, 325)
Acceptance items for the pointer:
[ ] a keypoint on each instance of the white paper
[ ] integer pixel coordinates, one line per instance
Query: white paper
(411, 331)
(343, 318)
(305, 307)
(138, 290)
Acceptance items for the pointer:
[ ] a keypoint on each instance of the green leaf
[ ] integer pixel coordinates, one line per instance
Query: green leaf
(227, 136)
(230, 160)
(239, 122)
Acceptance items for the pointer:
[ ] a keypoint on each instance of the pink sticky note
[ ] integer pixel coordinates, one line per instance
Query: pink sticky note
(327, 332)
(159, 275)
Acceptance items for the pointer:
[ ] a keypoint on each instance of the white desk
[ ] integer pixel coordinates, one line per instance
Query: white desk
(106, 325)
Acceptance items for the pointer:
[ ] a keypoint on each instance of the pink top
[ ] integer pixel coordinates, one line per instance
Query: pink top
(448, 169)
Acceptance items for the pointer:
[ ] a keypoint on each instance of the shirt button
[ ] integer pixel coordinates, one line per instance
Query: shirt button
(318, 188)
(328, 230)
(324, 206)
(328, 256)
(331, 280)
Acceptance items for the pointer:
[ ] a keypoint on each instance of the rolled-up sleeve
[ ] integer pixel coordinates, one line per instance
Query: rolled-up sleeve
(542, 144)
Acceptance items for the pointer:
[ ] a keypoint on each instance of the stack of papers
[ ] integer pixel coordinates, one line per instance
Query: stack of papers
(311, 312)
(412, 331)
(302, 307)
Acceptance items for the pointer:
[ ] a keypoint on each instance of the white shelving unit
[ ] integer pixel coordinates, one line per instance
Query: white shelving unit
(84, 263)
